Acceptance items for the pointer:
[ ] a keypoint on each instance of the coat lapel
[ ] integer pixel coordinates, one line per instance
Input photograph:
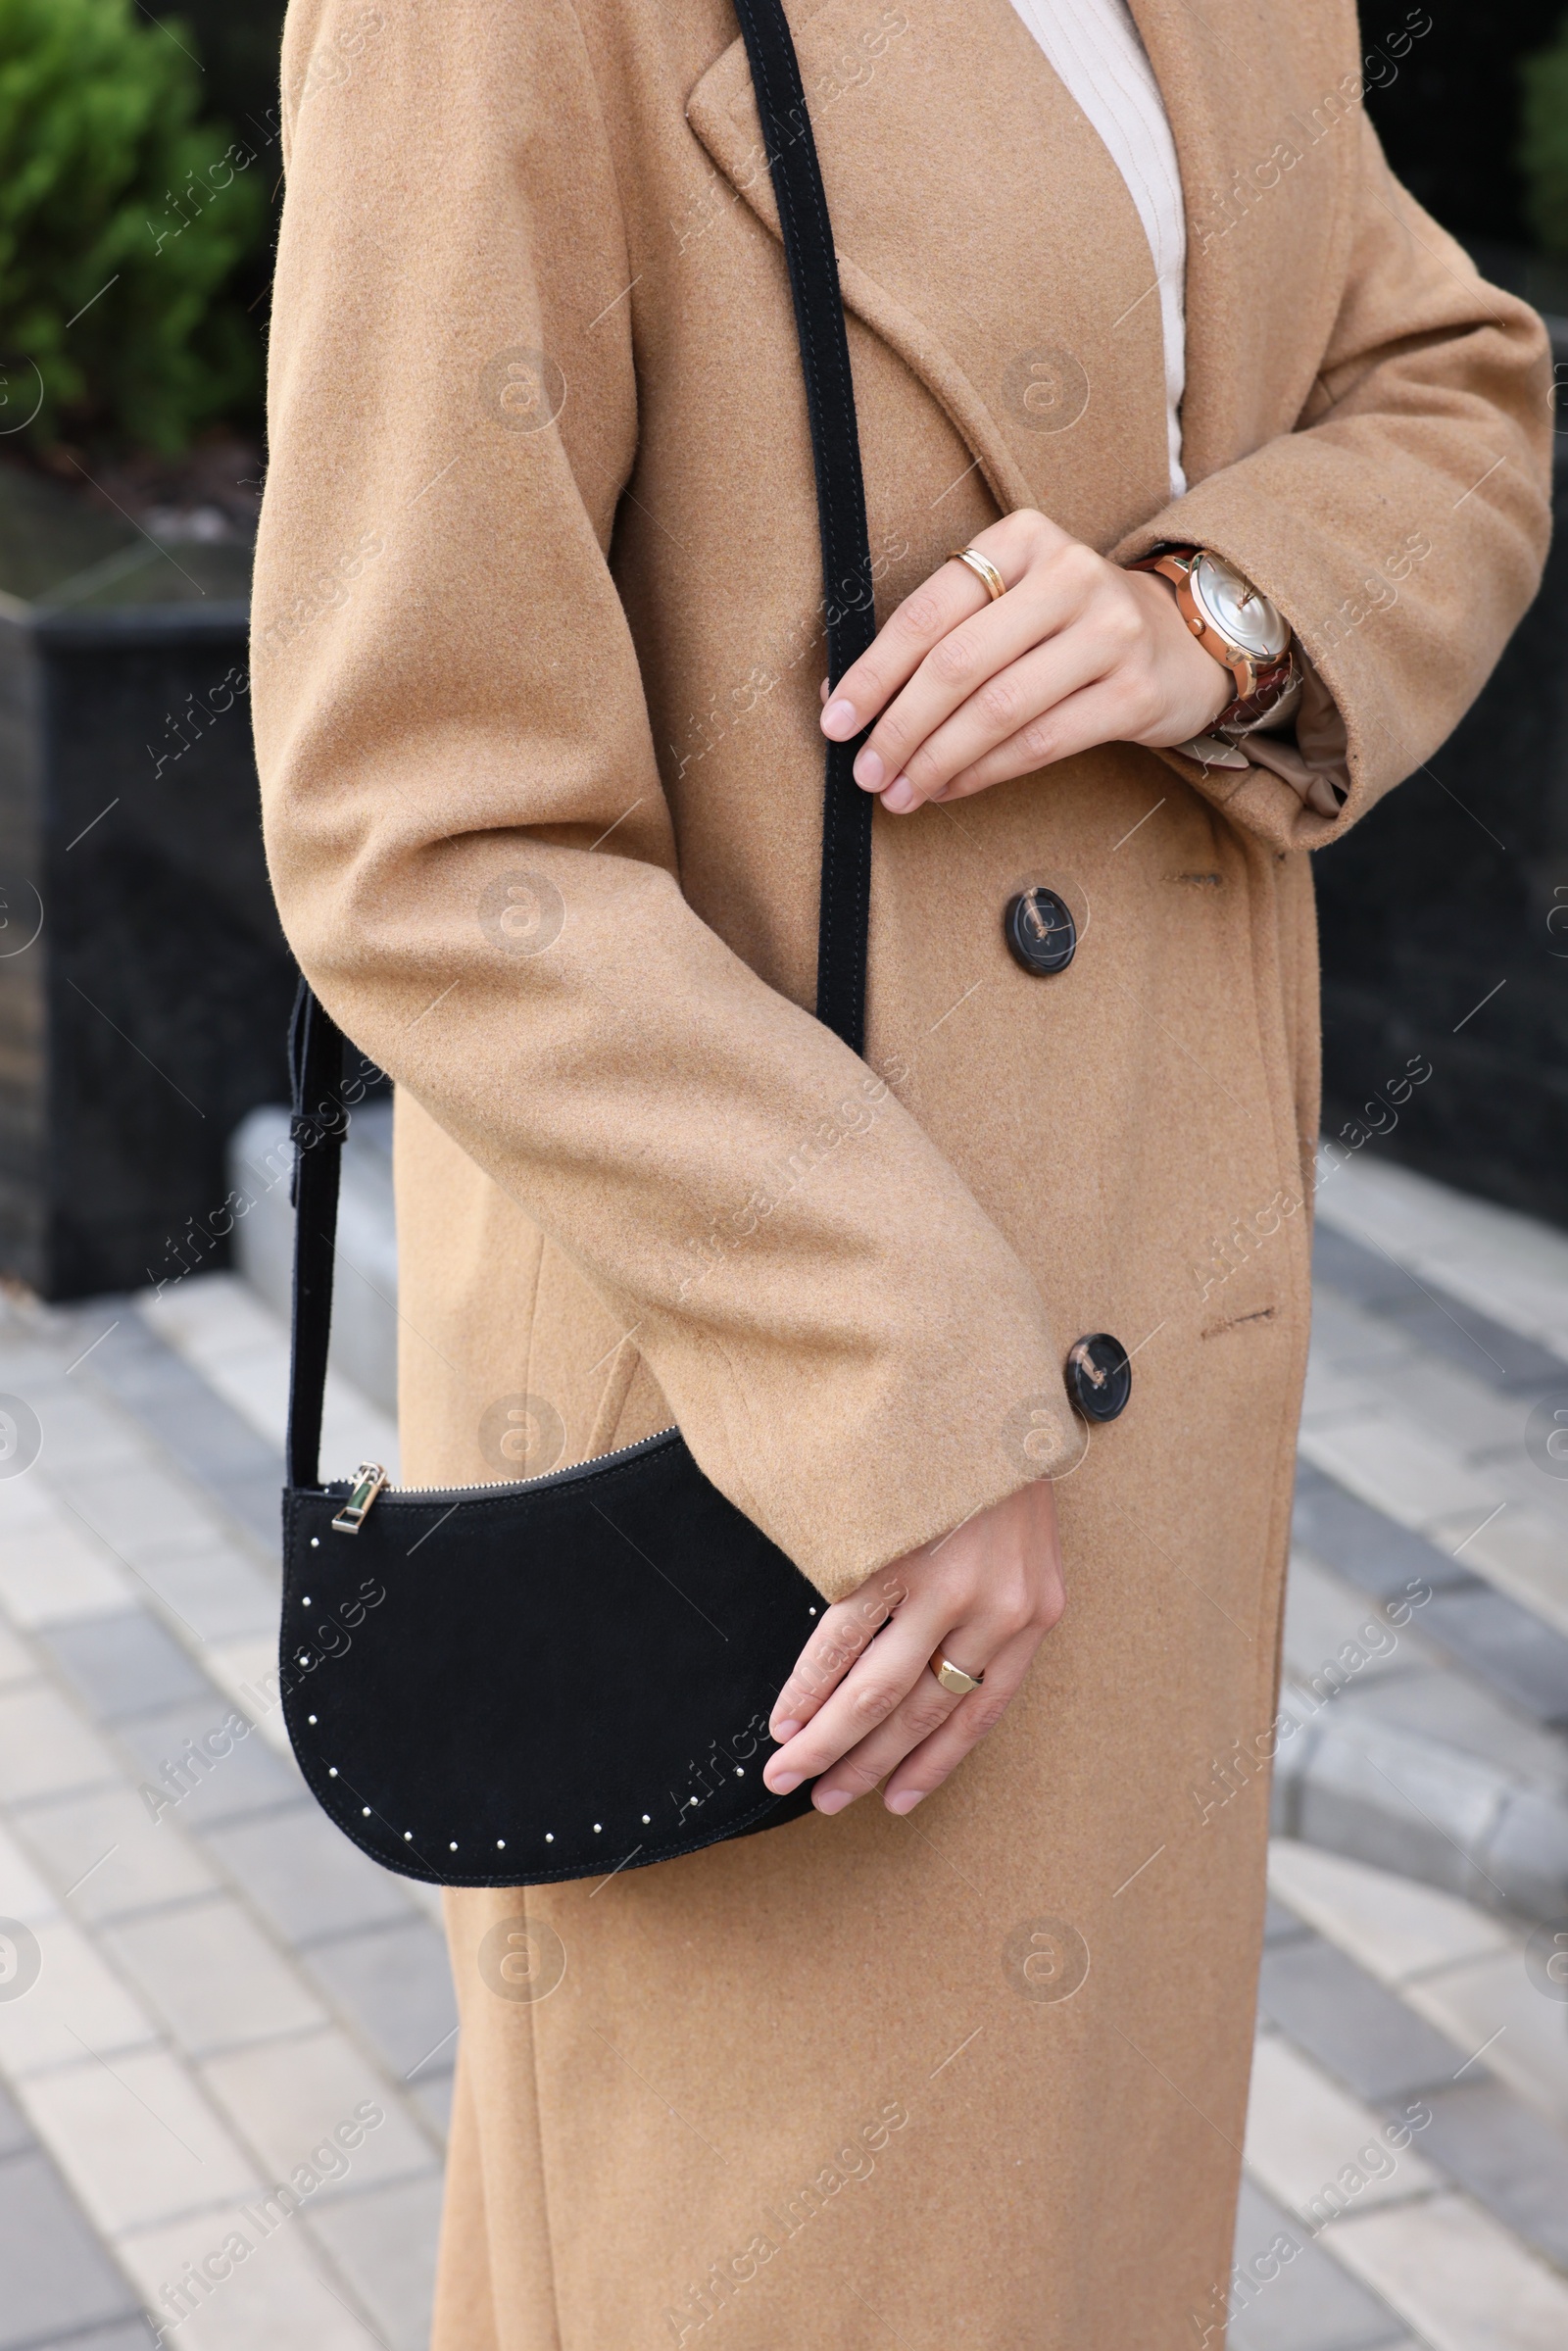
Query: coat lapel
(1265, 133)
(985, 234)
(968, 194)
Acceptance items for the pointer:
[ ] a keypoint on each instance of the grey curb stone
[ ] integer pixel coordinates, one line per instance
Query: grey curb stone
(1387, 1796)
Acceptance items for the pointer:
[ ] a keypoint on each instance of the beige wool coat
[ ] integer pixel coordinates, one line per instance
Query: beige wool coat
(538, 644)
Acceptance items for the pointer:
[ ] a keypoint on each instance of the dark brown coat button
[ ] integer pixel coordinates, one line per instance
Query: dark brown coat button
(1040, 931)
(1099, 1378)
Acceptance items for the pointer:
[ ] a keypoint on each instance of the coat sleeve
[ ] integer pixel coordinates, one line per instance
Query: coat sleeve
(467, 836)
(1402, 525)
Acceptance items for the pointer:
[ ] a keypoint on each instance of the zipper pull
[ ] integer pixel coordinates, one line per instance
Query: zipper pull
(369, 1480)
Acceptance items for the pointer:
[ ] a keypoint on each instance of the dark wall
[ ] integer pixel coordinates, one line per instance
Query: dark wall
(1449, 117)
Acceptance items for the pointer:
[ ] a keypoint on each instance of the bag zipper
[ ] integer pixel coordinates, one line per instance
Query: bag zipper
(370, 1480)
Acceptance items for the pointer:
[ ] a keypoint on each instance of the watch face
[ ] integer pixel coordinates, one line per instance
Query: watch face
(1241, 614)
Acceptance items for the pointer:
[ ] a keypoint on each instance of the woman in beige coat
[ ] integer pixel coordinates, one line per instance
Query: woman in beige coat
(538, 658)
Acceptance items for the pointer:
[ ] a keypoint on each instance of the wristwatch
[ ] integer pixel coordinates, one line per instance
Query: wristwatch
(1235, 622)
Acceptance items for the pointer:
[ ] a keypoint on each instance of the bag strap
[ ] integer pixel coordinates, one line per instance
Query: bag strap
(844, 918)
(316, 1043)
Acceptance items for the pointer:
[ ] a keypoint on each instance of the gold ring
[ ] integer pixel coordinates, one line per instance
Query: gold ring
(953, 1678)
(983, 569)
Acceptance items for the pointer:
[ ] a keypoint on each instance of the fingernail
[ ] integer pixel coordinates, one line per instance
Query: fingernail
(834, 1801)
(841, 719)
(781, 1783)
(783, 1732)
(907, 1799)
(900, 796)
(868, 768)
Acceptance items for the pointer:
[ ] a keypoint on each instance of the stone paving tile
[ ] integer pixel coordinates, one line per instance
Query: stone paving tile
(17, 1660)
(1280, 1925)
(1398, 1467)
(1390, 1926)
(45, 1747)
(14, 2131)
(76, 2007)
(51, 1568)
(1519, 1655)
(80, 1433)
(57, 2277)
(138, 2139)
(211, 1975)
(271, 2299)
(214, 1445)
(432, 2091)
(250, 1777)
(1490, 2003)
(385, 2245)
(105, 1852)
(1370, 1550)
(1501, 1261)
(306, 1875)
(1510, 2160)
(1436, 1320)
(1456, 2275)
(397, 1980)
(133, 2335)
(142, 1510)
(288, 2097)
(213, 1590)
(123, 1664)
(24, 1896)
(1309, 2303)
(1319, 2151)
(1521, 1553)
(1323, 1613)
(1445, 1703)
(1363, 2034)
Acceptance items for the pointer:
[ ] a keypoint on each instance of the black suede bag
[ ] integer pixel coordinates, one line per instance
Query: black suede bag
(507, 1684)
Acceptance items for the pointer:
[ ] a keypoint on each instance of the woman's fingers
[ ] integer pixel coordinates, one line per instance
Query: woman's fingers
(996, 713)
(843, 1636)
(855, 1706)
(965, 674)
(925, 1767)
(930, 1731)
(863, 1698)
(1077, 724)
(952, 595)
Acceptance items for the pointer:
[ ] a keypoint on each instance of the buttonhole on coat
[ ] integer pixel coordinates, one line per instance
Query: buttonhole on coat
(1237, 1322)
(1198, 881)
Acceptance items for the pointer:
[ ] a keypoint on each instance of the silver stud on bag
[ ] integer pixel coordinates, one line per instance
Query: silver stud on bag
(550, 1837)
(331, 1771)
(501, 1844)
(408, 1837)
(452, 1848)
(310, 1718)
(647, 1817)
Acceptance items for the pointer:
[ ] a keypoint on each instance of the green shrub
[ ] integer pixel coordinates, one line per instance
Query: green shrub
(122, 217)
(1543, 143)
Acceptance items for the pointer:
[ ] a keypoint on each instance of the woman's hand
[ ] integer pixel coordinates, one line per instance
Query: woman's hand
(968, 692)
(863, 1700)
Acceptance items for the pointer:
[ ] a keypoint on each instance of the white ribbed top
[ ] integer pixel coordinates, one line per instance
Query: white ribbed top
(1094, 47)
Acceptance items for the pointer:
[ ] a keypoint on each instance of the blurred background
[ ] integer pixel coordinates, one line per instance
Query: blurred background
(199, 1980)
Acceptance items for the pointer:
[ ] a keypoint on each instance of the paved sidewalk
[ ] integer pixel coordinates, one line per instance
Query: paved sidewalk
(205, 1992)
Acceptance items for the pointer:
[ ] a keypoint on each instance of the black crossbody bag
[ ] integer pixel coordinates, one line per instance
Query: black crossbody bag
(509, 1684)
